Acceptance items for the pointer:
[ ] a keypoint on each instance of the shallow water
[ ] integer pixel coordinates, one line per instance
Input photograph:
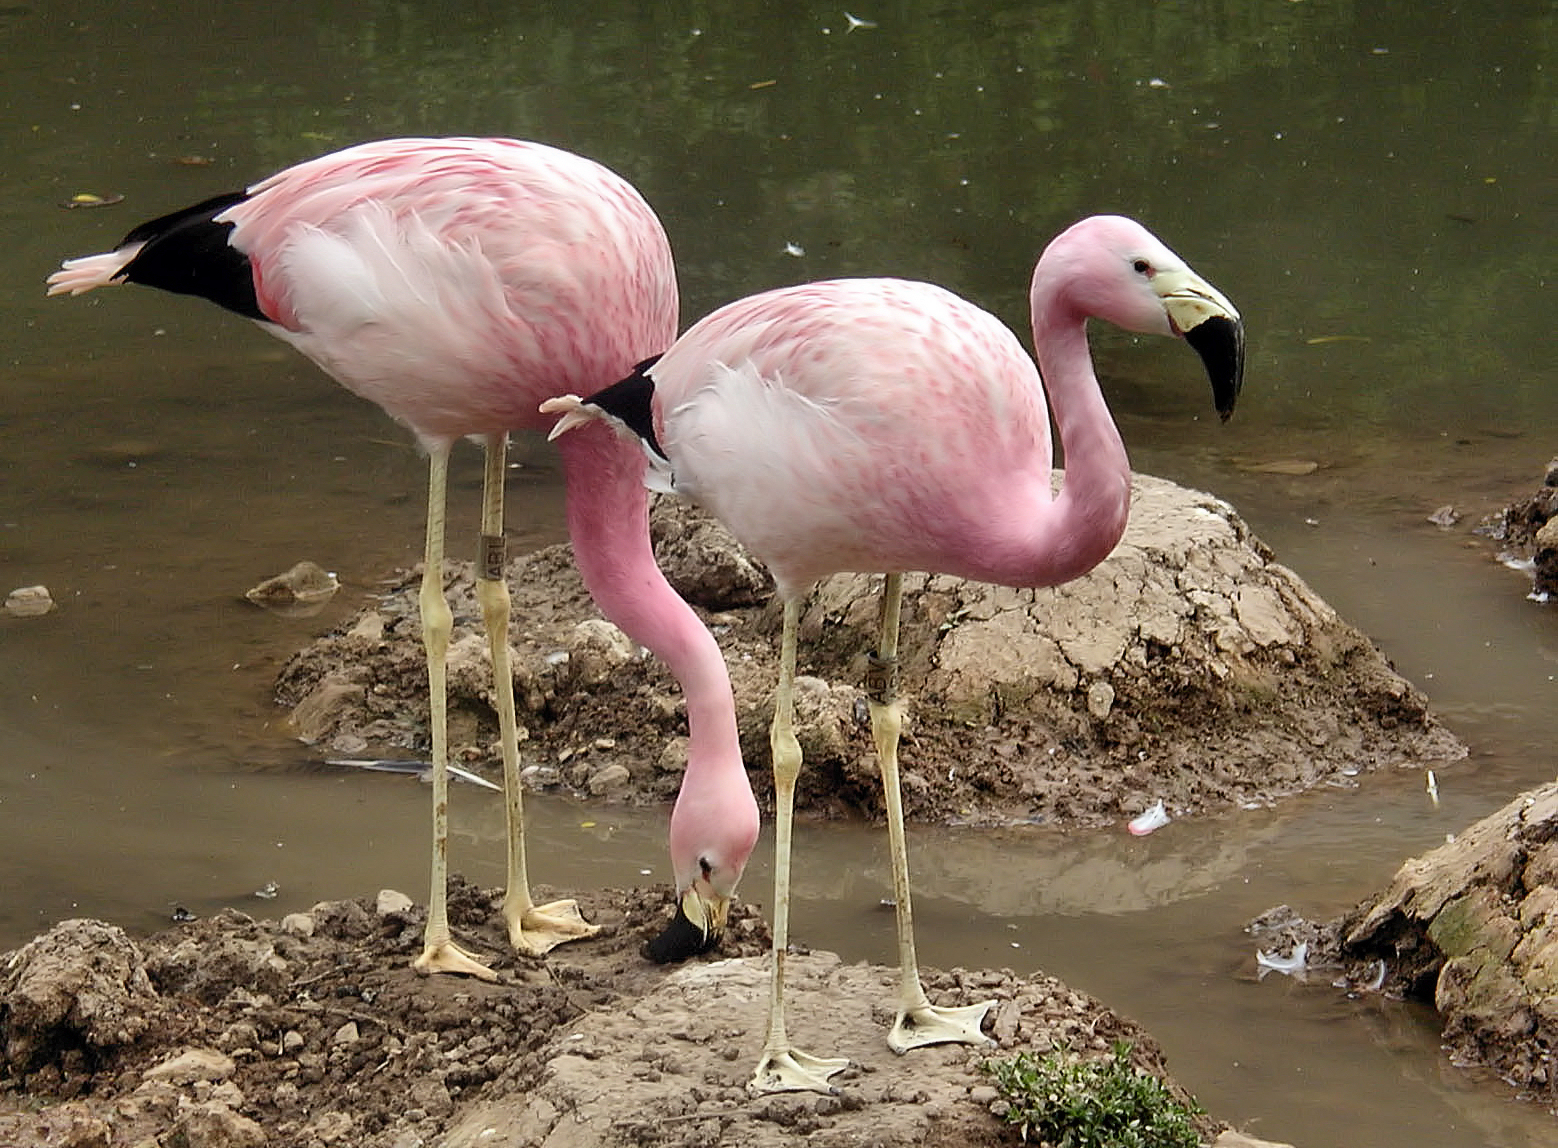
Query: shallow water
(1374, 191)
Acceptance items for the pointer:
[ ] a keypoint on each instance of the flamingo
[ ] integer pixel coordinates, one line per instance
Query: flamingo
(457, 283)
(875, 425)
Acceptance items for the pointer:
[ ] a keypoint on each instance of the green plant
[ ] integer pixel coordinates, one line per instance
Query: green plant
(1070, 1102)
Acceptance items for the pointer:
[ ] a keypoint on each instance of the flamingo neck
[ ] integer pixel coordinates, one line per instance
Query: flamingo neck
(608, 522)
(1088, 516)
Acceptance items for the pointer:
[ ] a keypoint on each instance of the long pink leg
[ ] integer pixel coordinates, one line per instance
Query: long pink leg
(919, 1022)
(784, 1068)
(533, 929)
(439, 952)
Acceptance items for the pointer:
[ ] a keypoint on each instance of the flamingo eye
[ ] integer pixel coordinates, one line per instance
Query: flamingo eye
(1142, 267)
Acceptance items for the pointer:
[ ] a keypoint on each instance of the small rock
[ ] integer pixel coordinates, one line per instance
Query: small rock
(29, 602)
(346, 1034)
(298, 924)
(1100, 700)
(192, 1065)
(596, 650)
(370, 627)
(214, 1125)
(291, 1041)
(612, 777)
(673, 758)
(297, 593)
(391, 902)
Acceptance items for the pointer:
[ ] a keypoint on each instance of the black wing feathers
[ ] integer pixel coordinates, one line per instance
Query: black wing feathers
(189, 253)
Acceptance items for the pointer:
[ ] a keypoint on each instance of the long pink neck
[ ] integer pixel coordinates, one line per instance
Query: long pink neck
(1088, 516)
(608, 521)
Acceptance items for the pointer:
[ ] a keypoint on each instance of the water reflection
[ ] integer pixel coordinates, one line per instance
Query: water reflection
(1373, 184)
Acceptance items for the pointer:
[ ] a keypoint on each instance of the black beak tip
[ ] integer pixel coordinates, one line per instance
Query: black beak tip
(680, 940)
(1219, 341)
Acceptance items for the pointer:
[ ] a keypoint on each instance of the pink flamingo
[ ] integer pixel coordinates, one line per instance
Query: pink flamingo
(457, 283)
(883, 425)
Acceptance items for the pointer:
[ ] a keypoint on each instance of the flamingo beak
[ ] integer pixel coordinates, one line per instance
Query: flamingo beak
(1212, 326)
(696, 928)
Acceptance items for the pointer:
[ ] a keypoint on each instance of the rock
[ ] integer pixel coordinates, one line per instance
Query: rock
(29, 602)
(701, 559)
(192, 1065)
(298, 924)
(609, 779)
(596, 650)
(214, 1125)
(1473, 926)
(82, 984)
(317, 713)
(392, 902)
(299, 592)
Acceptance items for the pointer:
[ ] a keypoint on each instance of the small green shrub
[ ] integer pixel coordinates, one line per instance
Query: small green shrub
(1068, 1102)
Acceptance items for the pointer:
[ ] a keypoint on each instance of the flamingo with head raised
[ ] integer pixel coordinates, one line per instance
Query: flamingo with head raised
(884, 425)
(457, 283)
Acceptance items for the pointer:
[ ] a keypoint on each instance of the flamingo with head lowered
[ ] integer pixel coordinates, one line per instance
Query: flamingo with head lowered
(882, 425)
(457, 283)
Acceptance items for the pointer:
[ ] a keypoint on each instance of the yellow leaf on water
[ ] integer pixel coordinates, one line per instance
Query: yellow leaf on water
(88, 199)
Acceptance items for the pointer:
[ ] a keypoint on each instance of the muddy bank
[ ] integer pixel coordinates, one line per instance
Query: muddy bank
(1471, 928)
(1526, 535)
(314, 1032)
(1190, 667)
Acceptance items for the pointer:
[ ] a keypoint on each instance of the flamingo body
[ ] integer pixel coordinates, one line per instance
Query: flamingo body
(458, 283)
(906, 427)
(883, 425)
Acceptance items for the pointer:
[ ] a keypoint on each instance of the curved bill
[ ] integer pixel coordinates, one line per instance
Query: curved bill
(1212, 326)
(696, 928)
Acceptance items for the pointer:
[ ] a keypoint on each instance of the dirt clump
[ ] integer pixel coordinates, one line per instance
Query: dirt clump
(1526, 532)
(1190, 667)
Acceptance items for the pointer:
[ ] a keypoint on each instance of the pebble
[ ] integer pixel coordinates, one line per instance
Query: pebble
(392, 901)
(192, 1065)
(29, 602)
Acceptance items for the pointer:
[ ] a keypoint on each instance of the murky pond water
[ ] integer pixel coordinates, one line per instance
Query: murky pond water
(1373, 189)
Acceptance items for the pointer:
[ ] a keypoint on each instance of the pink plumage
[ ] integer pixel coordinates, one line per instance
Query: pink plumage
(458, 283)
(883, 425)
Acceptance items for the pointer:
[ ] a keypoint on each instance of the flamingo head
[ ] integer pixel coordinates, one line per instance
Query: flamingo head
(1113, 268)
(712, 835)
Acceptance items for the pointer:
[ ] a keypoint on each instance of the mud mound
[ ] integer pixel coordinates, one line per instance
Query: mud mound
(314, 1032)
(1189, 667)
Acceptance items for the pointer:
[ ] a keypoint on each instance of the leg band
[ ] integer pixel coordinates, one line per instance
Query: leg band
(881, 678)
(494, 556)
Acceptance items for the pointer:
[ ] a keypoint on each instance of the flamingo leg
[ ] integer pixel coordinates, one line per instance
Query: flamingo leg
(439, 952)
(782, 1067)
(533, 929)
(918, 1022)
